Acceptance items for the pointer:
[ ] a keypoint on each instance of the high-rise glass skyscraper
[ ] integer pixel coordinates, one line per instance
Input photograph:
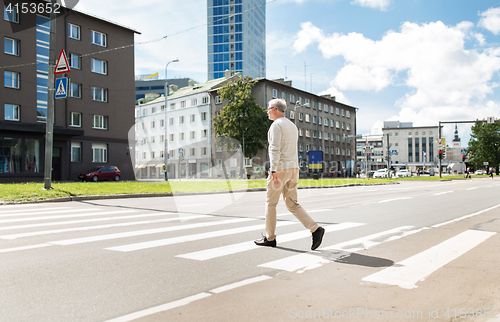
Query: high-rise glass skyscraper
(236, 37)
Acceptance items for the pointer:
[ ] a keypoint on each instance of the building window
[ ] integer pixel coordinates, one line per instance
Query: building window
(217, 99)
(75, 119)
(171, 121)
(75, 90)
(325, 122)
(337, 111)
(11, 14)
(307, 118)
(73, 31)
(275, 93)
(11, 112)
(99, 94)
(76, 152)
(100, 122)
(194, 102)
(98, 38)
(314, 119)
(205, 100)
(300, 132)
(204, 133)
(308, 133)
(301, 116)
(192, 135)
(162, 123)
(348, 114)
(153, 124)
(11, 46)
(172, 106)
(192, 118)
(204, 116)
(75, 61)
(99, 153)
(171, 137)
(192, 152)
(183, 104)
(204, 151)
(292, 98)
(11, 79)
(337, 124)
(99, 66)
(181, 119)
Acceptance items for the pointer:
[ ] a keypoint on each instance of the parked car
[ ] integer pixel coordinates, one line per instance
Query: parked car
(480, 172)
(381, 173)
(256, 172)
(101, 173)
(403, 173)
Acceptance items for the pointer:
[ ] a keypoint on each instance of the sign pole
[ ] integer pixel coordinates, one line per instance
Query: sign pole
(439, 135)
(49, 135)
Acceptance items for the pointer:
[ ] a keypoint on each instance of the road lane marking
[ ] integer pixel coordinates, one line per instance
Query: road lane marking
(324, 255)
(369, 241)
(57, 231)
(240, 283)
(22, 212)
(160, 308)
(69, 222)
(249, 245)
(395, 199)
(407, 273)
(15, 249)
(465, 217)
(442, 193)
(473, 188)
(147, 232)
(195, 237)
(99, 213)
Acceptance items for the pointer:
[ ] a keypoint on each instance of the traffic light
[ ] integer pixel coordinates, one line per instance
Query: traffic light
(440, 153)
(463, 157)
(367, 155)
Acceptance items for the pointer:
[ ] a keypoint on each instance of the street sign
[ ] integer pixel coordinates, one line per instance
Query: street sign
(62, 65)
(485, 163)
(395, 152)
(301, 156)
(61, 87)
(439, 140)
(315, 161)
(463, 151)
(181, 151)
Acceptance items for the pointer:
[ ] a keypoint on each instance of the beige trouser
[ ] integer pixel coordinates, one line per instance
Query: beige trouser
(288, 180)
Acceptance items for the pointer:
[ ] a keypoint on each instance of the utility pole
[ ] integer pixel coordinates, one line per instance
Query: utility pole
(49, 135)
(388, 157)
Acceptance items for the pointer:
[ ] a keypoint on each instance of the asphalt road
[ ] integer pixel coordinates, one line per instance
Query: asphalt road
(164, 259)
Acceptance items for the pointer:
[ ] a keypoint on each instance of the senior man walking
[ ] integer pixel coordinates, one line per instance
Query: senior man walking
(284, 175)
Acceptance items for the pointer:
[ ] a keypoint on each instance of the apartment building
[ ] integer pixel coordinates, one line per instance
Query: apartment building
(91, 125)
(188, 132)
(324, 124)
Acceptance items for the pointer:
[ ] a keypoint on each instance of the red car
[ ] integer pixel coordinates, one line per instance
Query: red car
(101, 173)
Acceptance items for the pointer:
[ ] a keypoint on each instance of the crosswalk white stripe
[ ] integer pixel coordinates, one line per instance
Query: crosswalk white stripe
(15, 249)
(442, 193)
(147, 232)
(70, 222)
(125, 224)
(19, 206)
(313, 259)
(39, 213)
(23, 212)
(410, 271)
(67, 216)
(357, 244)
(181, 239)
(249, 245)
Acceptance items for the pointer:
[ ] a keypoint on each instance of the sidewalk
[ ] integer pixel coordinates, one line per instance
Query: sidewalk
(336, 290)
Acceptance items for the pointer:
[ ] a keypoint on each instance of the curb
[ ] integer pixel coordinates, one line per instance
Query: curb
(151, 195)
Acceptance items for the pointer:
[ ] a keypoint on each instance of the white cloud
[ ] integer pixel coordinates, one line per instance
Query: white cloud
(339, 96)
(375, 4)
(444, 79)
(490, 20)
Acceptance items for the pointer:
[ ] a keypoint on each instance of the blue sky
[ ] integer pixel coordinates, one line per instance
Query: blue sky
(419, 61)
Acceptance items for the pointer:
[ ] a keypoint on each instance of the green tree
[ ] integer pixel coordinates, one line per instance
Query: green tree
(242, 119)
(484, 145)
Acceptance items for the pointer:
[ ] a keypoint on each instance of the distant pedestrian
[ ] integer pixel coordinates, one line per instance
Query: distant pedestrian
(491, 172)
(284, 175)
(468, 173)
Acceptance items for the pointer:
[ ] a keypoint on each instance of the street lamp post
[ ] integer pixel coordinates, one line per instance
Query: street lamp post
(165, 153)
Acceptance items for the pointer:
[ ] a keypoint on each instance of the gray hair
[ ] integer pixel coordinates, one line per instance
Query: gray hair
(279, 103)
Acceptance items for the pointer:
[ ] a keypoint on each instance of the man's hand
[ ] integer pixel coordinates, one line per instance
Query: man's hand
(275, 177)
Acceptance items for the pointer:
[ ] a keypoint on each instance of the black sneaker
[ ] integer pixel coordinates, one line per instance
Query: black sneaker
(264, 242)
(317, 237)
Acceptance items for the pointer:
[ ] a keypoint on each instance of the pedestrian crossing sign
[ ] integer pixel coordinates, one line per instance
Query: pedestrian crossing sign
(61, 87)
(62, 65)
